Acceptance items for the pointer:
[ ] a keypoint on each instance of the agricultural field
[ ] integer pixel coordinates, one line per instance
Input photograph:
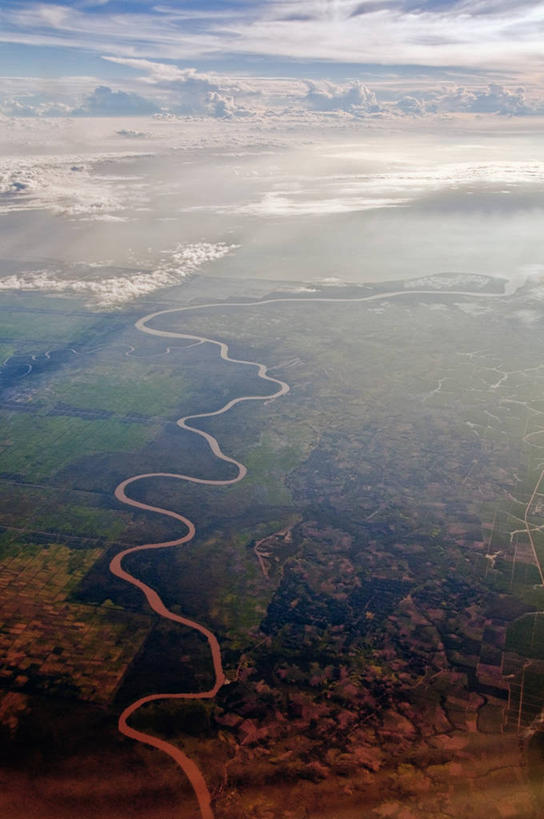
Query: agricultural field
(35, 451)
(51, 645)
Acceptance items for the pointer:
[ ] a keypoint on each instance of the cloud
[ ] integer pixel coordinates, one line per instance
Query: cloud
(492, 33)
(410, 106)
(104, 102)
(225, 107)
(495, 99)
(69, 185)
(314, 195)
(278, 205)
(37, 100)
(353, 98)
(25, 107)
(154, 72)
(110, 291)
(190, 92)
(130, 133)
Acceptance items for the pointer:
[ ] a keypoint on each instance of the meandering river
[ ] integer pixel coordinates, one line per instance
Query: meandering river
(190, 769)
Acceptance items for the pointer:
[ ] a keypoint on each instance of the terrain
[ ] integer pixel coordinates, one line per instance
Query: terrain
(374, 581)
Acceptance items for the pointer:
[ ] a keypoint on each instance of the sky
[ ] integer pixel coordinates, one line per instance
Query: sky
(292, 139)
(260, 59)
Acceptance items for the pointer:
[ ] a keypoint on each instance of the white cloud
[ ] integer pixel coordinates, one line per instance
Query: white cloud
(164, 88)
(70, 96)
(152, 71)
(354, 98)
(488, 33)
(67, 185)
(54, 16)
(110, 291)
(17, 107)
(190, 92)
(410, 106)
(103, 101)
(495, 99)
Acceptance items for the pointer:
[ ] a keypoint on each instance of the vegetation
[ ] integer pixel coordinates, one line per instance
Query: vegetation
(372, 581)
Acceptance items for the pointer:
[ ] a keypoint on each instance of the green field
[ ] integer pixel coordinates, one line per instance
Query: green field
(56, 328)
(124, 389)
(38, 446)
(526, 636)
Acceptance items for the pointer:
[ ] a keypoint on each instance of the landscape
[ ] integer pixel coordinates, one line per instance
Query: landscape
(374, 581)
(272, 413)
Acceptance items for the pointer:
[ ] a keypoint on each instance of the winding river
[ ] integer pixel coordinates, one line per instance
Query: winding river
(191, 770)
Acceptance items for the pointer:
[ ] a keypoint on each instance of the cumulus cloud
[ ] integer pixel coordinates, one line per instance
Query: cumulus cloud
(410, 106)
(353, 98)
(110, 291)
(495, 99)
(187, 92)
(219, 105)
(190, 92)
(15, 107)
(103, 101)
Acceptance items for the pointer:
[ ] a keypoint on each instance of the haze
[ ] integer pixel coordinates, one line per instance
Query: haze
(272, 402)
